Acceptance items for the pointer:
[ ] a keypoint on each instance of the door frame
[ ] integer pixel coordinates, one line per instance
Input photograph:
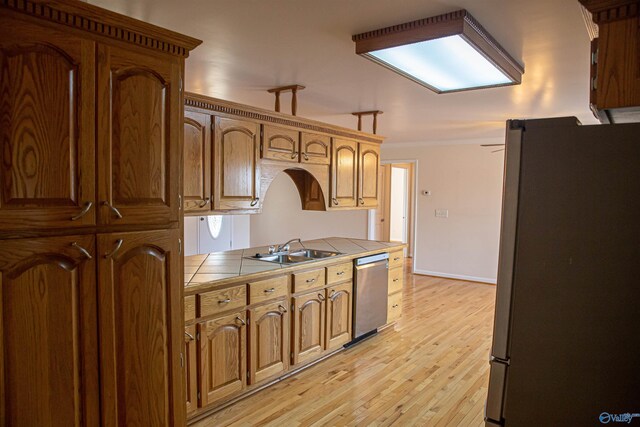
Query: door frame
(412, 194)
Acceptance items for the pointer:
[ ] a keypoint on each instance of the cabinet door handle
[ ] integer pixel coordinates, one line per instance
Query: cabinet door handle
(321, 297)
(396, 279)
(282, 309)
(113, 209)
(339, 273)
(188, 335)
(311, 280)
(254, 201)
(394, 306)
(205, 202)
(83, 212)
(305, 156)
(270, 290)
(242, 322)
(361, 201)
(224, 301)
(294, 155)
(82, 250)
(335, 201)
(115, 250)
(396, 258)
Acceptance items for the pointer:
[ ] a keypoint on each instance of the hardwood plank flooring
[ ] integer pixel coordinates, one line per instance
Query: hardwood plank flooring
(431, 369)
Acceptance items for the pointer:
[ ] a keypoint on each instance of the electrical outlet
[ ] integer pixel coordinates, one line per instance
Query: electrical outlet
(442, 213)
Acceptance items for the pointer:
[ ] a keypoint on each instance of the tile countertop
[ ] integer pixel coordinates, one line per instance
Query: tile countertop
(202, 271)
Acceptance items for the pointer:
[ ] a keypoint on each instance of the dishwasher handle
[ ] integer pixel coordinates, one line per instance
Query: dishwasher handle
(373, 264)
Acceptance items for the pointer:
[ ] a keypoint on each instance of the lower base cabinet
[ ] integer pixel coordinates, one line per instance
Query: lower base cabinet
(308, 326)
(223, 361)
(268, 341)
(339, 318)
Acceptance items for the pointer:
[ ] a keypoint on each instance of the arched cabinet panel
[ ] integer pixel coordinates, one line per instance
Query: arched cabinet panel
(46, 128)
(344, 173)
(315, 149)
(339, 315)
(308, 340)
(141, 333)
(197, 162)
(48, 332)
(138, 159)
(280, 144)
(368, 166)
(268, 341)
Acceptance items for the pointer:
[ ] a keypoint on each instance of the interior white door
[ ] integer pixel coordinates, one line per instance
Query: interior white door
(215, 233)
(377, 216)
(398, 219)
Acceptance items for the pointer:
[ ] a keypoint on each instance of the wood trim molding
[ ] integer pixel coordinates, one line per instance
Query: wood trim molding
(612, 10)
(239, 110)
(102, 22)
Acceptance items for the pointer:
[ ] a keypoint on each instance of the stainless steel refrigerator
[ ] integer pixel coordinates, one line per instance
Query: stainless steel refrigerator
(566, 340)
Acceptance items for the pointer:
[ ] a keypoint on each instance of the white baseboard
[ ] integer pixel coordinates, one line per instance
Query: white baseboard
(456, 276)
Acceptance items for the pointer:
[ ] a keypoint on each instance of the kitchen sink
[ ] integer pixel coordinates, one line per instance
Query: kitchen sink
(295, 257)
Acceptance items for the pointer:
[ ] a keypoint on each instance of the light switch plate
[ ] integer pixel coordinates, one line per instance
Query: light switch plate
(442, 213)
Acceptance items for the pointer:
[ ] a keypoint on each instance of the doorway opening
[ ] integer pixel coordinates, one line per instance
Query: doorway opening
(394, 218)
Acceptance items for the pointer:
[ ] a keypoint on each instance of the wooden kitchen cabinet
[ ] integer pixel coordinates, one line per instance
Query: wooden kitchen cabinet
(49, 318)
(141, 327)
(308, 326)
(368, 167)
(140, 121)
(339, 315)
(197, 163)
(268, 341)
(237, 167)
(190, 368)
(344, 177)
(315, 149)
(280, 143)
(223, 361)
(48, 128)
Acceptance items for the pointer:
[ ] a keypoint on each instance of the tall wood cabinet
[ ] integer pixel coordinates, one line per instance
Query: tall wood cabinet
(91, 328)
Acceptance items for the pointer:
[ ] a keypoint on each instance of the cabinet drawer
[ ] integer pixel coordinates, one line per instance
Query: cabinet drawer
(308, 280)
(396, 259)
(268, 289)
(189, 308)
(396, 279)
(222, 300)
(339, 273)
(394, 307)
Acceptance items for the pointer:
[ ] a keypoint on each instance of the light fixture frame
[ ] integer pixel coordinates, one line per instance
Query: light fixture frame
(459, 23)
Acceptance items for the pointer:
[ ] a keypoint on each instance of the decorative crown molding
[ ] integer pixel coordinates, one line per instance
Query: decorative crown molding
(612, 10)
(93, 19)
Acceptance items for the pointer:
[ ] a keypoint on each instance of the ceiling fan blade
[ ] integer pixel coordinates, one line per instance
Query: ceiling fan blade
(500, 149)
(490, 145)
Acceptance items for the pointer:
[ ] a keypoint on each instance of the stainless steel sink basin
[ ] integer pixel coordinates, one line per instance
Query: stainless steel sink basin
(295, 257)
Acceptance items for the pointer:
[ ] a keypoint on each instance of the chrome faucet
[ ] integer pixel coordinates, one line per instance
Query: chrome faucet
(283, 247)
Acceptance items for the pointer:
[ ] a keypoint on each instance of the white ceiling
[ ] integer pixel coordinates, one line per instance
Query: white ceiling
(253, 45)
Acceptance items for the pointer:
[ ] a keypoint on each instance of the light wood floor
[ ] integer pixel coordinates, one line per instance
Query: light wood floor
(431, 369)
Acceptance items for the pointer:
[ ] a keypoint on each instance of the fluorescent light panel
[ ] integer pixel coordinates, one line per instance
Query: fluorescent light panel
(447, 64)
(446, 53)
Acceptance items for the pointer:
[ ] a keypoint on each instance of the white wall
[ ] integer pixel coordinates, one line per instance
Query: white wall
(466, 180)
(282, 218)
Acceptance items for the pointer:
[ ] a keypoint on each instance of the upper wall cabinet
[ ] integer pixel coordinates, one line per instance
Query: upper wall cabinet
(315, 149)
(197, 162)
(280, 144)
(344, 173)
(47, 128)
(368, 165)
(236, 168)
(139, 118)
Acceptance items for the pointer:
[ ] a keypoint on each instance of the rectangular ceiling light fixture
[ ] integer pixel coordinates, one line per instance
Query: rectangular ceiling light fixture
(446, 53)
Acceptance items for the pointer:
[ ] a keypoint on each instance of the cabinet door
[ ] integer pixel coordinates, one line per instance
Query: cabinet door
(197, 162)
(368, 165)
(139, 137)
(237, 170)
(308, 326)
(190, 368)
(48, 332)
(343, 173)
(141, 328)
(47, 129)
(339, 299)
(280, 144)
(268, 341)
(315, 149)
(223, 369)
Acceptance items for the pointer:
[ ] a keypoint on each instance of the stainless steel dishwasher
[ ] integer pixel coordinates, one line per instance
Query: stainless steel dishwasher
(370, 295)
